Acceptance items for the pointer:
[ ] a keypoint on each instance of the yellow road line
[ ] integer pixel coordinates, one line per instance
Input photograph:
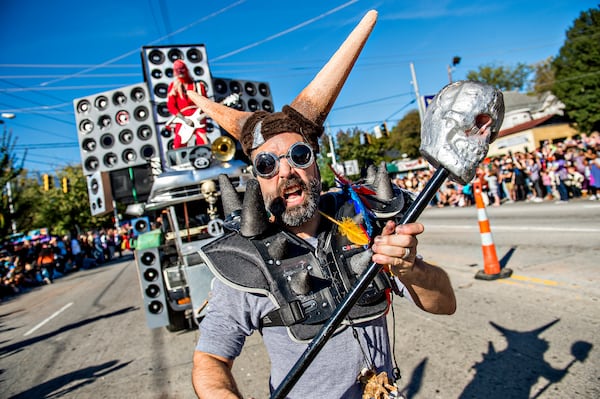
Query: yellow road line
(535, 280)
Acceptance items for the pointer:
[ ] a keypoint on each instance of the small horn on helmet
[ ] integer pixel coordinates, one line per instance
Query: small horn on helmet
(232, 204)
(316, 100)
(383, 184)
(228, 118)
(255, 220)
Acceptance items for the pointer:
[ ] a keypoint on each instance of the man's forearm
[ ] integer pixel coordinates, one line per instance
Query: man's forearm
(212, 378)
(430, 288)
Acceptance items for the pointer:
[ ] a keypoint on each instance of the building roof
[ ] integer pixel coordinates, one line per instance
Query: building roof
(524, 126)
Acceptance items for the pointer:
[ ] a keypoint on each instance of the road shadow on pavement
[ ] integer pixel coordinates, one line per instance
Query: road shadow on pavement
(512, 372)
(18, 346)
(76, 379)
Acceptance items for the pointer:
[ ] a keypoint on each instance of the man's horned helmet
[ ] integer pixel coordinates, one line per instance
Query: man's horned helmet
(307, 112)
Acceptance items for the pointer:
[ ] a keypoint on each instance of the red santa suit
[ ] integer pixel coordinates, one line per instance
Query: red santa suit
(180, 105)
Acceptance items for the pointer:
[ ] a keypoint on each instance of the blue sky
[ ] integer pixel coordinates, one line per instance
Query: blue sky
(56, 51)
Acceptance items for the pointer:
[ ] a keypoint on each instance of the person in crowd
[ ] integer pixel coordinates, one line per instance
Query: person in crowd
(46, 261)
(491, 177)
(282, 148)
(594, 184)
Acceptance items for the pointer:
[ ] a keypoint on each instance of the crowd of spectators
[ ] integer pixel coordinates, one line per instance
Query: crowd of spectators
(37, 262)
(558, 172)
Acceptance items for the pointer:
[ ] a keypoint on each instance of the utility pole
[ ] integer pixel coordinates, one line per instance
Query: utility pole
(420, 103)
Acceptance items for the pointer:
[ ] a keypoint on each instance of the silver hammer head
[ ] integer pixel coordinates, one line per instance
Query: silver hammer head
(460, 123)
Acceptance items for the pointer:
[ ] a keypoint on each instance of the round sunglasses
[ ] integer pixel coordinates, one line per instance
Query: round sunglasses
(266, 164)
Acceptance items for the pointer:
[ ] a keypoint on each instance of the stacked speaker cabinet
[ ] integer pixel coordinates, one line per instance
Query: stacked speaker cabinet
(158, 72)
(101, 200)
(116, 129)
(254, 96)
(153, 287)
(131, 185)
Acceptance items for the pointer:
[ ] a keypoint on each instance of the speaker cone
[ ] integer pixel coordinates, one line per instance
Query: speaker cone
(126, 136)
(263, 89)
(144, 132)
(147, 259)
(152, 291)
(253, 105)
(101, 103)
(91, 164)
(175, 54)
(147, 152)
(119, 99)
(235, 87)
(156, 57)
(83, 106)
(129, 156)
(194, 55)
(198, 71)
(161, 90)
(86, 126)
(250, 88)
(107, 140)
(156, 73)
(267, 106)
(220, 86)
(89, 144)
(138, 94)
(94, 186)
(110, 160)
(104, 122)
(141, 113)
(155, 307)
(122, 118)
(162, 110)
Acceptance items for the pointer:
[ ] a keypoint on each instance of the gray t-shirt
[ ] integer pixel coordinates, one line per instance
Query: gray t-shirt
(232, 315)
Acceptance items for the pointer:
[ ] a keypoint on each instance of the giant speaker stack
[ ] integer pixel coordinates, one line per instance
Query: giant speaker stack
(158, 72)
(116, 129)
(254, 96)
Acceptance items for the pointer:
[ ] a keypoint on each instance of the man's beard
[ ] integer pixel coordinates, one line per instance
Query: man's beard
(299, 214)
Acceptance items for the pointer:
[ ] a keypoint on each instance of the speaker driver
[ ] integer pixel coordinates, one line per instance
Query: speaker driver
(155, 307)
(194, 55)
(235, 87)
(250, 89)
(129, 156)
(253, 105)
(144, 132)
(110, 160)
(147, 152)
(161, 90)
(164, 132)
(240, 105)
(91, 164)
(147, 259)
(104, 122)
(94, 186)
(138, 94)
(122, 118)
(83, 106)
(101, 103)
(126, 136)
(263, 89)
(156, 57)
(89, 144)
(169, 73)
(152, 291)
(267, 105)
(107, 140)
(199, 71)
(156, 73)
(175, 54)
(163, 110)
(86, 126)
(141, 225)
(220, 86)
(119, 99)
(141, 113)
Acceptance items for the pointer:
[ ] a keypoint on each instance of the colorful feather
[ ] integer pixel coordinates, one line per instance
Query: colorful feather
(351, 230)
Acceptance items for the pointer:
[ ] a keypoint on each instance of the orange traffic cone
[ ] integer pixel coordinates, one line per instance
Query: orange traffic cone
(491, 265)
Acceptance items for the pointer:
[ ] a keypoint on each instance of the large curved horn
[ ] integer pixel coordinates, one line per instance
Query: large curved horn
(316, 100)
(228, 118)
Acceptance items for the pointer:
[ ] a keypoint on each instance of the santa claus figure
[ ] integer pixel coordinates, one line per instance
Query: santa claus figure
(188, 123)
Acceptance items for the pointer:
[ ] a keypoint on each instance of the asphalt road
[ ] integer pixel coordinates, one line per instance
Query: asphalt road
(533, 335)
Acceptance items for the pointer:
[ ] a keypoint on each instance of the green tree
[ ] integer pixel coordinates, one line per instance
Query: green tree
(543, 77)
(577, 71)
(501, 77)
(406, 135)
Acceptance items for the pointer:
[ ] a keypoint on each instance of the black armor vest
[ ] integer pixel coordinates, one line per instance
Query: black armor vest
(305, 282)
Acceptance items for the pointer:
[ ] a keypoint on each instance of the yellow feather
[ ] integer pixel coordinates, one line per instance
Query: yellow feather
(350, 229)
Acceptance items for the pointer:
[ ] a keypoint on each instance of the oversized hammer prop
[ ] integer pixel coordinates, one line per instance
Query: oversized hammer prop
(460, 123)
